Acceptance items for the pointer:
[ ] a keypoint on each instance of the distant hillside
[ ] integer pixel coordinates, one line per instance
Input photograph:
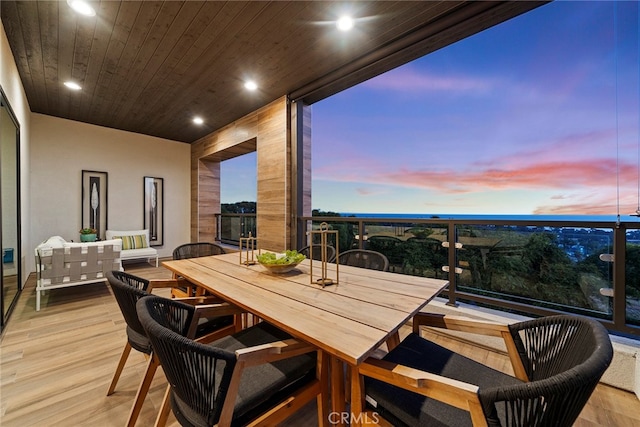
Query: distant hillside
(238, 207)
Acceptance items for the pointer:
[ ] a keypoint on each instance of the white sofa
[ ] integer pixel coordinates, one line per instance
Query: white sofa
(61, 264)
(135, 244)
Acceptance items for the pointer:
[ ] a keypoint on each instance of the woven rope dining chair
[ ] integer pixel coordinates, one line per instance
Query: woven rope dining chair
(193, 250)
(365, 259)
(259, 372)
(128, 289)
(557, 361)
(317, 253)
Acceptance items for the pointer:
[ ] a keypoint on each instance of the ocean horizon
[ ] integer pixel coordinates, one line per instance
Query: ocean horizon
(519, 217)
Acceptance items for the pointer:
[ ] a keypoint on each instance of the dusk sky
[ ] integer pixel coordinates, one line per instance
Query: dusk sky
(523, 118)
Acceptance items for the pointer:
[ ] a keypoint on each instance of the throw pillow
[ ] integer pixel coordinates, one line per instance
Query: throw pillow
(138, 241)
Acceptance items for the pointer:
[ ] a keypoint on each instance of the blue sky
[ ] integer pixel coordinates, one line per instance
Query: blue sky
(538, 115)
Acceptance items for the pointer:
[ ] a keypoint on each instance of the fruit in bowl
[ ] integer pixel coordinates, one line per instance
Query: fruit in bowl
(280, 263)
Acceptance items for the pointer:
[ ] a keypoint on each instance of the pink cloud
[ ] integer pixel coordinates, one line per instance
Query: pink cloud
(559, 175)
(593, 144)
(599, 203)
(582, 208)
(585, 186)
(368, 192)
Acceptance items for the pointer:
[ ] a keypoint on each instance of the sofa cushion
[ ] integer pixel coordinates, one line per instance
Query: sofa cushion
(139, 253)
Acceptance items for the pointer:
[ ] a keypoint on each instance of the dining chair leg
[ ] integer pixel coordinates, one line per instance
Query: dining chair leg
(393, 341)
(165, 409)
(237, 322)
(249, 319)
(119, 368)
(143, 390)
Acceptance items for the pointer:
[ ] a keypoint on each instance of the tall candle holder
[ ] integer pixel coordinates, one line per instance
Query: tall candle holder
(248, 243)
(324, 278)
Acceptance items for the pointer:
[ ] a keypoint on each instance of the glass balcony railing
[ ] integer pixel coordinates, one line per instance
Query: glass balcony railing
(533, 268)
(528, 267)
(231, 227)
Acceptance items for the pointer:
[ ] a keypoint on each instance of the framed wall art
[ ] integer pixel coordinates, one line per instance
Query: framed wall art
(94, 201)
(154, 209)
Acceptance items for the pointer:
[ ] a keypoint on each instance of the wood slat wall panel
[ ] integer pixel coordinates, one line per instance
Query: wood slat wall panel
(267, 128)
(232, 151)
(196, 154)
(306, 163)
(300, 170)
(274, 202)
(208, 199)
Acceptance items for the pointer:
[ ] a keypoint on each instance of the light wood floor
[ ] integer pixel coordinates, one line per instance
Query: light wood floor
(56, 365)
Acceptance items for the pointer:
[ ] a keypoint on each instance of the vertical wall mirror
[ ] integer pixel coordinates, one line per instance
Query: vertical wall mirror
(9, 208)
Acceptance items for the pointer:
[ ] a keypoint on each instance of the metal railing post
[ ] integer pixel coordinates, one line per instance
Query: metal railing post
(218, 225)
(361, 233)
(453, 280)
(619, 282)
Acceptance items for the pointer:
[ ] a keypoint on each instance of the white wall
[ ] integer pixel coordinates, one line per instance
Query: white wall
(12, 87)
(61, 149)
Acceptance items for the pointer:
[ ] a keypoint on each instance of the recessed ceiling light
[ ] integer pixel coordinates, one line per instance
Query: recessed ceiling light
(82, 7)
(344, 23)
(250, 85)
(72, 85)
(198, 120)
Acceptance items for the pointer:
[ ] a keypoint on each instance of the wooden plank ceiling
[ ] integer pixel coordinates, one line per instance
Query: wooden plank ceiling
(150, 66)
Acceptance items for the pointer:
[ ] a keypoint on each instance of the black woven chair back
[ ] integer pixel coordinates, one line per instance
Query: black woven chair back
(128, 289)
(196, 250)
(365, 259)
(564, 357)
(317, 253)
(199, 374)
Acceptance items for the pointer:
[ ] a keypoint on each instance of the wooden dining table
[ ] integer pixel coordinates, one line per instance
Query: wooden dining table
(347, 320)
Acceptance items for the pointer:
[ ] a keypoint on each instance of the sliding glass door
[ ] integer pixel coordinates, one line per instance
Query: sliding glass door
(9, 208)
